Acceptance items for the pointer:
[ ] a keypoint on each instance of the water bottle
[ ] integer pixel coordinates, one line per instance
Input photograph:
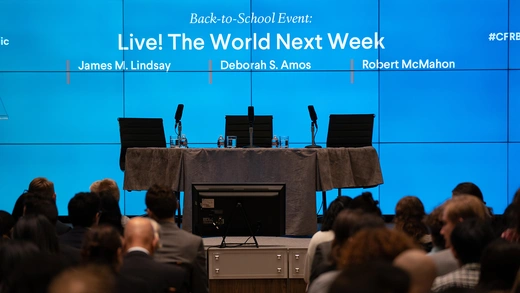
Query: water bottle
(274, 142)
(172, 145)
(184, 141)
(220, 143)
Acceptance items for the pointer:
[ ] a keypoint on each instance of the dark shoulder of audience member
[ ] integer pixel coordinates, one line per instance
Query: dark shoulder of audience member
(366, 203)
(469, 238)
(35, 273)
(6, 225)
(371, 277)
(336, 206)
(83, 209)
(498, 266)
(19, 207)
(12, 253)
(110, 211)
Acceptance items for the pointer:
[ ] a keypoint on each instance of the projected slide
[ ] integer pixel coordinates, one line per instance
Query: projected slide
(514, 105)
(58, 35)
(43, 108)
(329, 92)
(454, 106)
(443, 34)
(205, 104)
(431, 171)
(513, 36)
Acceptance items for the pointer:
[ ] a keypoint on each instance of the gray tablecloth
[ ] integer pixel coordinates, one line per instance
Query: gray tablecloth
(304, 171)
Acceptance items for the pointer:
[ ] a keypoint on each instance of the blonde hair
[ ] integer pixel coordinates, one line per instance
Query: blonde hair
(42, 186)
(106, 185)
(465, 206)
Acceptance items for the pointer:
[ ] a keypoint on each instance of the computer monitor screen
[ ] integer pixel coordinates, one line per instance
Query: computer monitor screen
(221, 207)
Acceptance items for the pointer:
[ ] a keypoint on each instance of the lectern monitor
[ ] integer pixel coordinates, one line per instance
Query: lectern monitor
(218, 207)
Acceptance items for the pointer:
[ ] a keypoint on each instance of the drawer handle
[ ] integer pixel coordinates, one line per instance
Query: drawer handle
(217, 257)
(279, 270)
(297, 256)
(297, 270)
(278, 256)
(217, 271)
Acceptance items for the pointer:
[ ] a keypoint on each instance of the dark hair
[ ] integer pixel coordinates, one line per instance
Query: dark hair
(38, 205)
(38, 230)
(161, 201)
(110, 211)
(366, 203)
(336, 206)
(42, 186)
(6, 223)
(434, 223)
(469, 238)
(83, 208)
(34, 274)
(468, 188)
(499, 264)
(409, 214)
(18, 207)
(12, 253)
(371, 277)
(101, 245)
(516, 197)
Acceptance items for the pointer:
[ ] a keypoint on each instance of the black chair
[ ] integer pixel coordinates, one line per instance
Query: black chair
(262, 130)
(140, 132)
(350, 131)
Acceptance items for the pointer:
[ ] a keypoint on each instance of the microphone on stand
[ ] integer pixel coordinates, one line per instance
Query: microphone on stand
(314, 123)
(251, 118)
(178, 116)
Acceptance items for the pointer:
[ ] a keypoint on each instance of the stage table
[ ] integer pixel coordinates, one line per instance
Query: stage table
(304, 171)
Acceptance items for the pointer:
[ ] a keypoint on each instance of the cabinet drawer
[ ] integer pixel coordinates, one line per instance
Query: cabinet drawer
(247, 264)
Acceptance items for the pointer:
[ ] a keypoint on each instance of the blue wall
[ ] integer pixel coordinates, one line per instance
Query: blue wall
(434, 127)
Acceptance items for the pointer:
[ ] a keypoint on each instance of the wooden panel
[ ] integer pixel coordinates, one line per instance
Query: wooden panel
(297, 263)
(249, 286)
(297, 286)
(248, 264)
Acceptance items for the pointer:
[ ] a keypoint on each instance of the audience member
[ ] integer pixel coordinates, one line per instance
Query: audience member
(109, 186)
(36, 205)
(326, 233)
(409, 216)
(455, 210)
(83, 213)
(512, 220)
(110, 212)
(6, 224)
(138, 263)
(372, 277)
(35, 273)
(468, 239)
(367, 245)
(347, 223)
(498, 266)
(45, 188)
(468, 188)
(419, 267)
(103, 246)
(88, 279)
(177, 246)
(434, 223)
(38, 230)
(12, 253)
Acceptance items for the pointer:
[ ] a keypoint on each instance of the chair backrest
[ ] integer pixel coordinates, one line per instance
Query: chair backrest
(262, 130)
(354, 130)
(140, 132)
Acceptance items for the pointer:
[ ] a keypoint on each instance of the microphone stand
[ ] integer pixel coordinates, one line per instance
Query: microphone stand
(250, 135)
(313, 142)
(179, 132)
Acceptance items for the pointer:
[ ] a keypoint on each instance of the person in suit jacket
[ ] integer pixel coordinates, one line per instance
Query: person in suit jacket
(83, 213)
(138, 263)
(177, 246)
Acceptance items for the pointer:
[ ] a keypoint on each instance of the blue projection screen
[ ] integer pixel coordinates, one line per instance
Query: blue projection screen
(442, 78)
